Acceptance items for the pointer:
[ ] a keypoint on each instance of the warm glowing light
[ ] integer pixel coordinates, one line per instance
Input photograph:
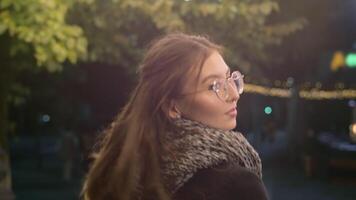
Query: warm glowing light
(353, 132)
(312, 94)
(337, 61)
(353, 129)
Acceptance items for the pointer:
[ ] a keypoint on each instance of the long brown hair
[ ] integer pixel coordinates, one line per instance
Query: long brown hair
(126, 166)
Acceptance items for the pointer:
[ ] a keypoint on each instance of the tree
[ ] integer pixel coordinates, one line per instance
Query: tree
(33, 33)
(40, 34)
(118, 30)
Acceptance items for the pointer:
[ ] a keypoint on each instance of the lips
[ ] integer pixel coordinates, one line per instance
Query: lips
(232, 112)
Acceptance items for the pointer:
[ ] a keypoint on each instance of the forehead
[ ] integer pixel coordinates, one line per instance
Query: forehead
(214, 67)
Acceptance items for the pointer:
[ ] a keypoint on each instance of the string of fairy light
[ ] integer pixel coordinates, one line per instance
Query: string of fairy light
(315, 93)
(308, 90)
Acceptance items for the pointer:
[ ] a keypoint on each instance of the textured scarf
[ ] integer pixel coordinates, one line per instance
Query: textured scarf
(191, 146)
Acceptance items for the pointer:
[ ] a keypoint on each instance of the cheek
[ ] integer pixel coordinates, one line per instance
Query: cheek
(209, 110)
(205, 108)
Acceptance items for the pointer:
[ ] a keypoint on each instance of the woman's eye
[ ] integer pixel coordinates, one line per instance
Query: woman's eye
(215, 86)
(211, 87)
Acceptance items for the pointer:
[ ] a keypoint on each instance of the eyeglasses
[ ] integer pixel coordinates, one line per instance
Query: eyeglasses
(221, 86)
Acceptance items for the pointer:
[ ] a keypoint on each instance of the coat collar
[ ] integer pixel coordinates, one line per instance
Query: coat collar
(192, 146)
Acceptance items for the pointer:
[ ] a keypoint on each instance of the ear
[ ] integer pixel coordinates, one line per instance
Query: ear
(172, 109)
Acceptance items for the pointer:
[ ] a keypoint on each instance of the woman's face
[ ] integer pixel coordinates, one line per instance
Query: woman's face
(205, 106)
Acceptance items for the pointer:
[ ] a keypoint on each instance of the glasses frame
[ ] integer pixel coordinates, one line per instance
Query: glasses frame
(238, 84)
(236, 76)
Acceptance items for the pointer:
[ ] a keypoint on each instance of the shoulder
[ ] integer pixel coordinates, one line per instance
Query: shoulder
(233, 182)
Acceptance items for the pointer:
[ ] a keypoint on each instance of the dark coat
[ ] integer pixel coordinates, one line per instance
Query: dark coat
(223, 183)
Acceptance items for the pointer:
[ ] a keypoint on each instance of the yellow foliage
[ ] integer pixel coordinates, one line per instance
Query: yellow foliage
(42, 25)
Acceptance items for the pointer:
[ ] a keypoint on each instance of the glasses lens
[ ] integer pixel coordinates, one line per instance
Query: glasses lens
(240, 85)
(220, 89)
(238, 79)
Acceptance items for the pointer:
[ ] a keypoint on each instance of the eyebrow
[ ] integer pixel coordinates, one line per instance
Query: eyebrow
(215, 76)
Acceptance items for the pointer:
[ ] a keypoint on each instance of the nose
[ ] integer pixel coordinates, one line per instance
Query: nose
(233, 94)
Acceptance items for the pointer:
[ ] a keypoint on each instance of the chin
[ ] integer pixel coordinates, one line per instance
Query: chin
(224, 125)
(232, 125)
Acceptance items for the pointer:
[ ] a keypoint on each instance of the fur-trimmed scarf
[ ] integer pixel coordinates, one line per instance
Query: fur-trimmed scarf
(192, 146)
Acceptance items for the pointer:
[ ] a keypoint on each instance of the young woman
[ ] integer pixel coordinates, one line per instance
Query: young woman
(173, 139)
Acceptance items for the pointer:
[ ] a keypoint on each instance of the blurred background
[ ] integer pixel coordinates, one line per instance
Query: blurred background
(68, 67)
